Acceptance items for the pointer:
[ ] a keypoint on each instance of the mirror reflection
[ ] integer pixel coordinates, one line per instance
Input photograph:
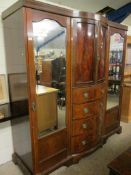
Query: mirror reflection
(50, 65)
(115, 68)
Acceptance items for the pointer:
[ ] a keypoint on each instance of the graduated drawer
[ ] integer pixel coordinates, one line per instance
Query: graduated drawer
(82, 95)
(81, 143)
(85, 126)
(100, 90)
(86, 109)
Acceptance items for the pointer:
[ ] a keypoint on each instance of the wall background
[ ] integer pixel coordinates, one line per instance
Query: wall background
(6, 146)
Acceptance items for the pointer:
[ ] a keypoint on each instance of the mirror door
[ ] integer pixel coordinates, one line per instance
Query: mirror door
(49, 38)
(115, 70)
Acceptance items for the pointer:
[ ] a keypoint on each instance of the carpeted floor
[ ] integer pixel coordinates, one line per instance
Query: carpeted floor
(95, 164)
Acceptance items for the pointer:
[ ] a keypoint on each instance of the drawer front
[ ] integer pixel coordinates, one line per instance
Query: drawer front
(52, 145)
(81, 95)
(81, 143)
(100, 91)
(85, 126)
(85, 110)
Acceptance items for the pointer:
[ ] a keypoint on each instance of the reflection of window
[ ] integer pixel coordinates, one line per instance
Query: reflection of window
(48, 34)
(116, 42)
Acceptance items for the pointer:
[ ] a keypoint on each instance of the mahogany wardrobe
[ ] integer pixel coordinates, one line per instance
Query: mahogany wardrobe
(59, 64)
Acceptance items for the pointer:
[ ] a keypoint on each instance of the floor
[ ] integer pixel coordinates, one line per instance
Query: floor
(95, 164)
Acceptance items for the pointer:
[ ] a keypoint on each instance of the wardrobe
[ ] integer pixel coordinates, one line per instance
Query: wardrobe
(61, 59)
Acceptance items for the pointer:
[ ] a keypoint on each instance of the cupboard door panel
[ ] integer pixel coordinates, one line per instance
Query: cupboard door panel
(101, 55)
(84, 46)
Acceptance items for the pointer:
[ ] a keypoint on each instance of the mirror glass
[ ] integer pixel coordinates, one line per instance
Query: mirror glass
(115, 70)
(50, 65)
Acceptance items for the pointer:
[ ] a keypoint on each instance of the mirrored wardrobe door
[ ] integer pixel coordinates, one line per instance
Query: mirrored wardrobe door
(115, 70)
(50, 41)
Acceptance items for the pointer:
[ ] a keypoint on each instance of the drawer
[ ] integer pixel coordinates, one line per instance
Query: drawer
(85, 126)
(81, 143)
(85, 110)
(82, 95)
(100, 90)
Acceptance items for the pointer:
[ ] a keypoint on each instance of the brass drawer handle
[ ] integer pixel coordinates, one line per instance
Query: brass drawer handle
(85, 110)
(85, 95)
(84, 125)
(84, 142)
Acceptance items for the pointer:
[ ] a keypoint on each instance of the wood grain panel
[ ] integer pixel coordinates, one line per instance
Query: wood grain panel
(52, 145)
(85, 110)
(81, 143)
(112, 117)
(89, 93)
(84, 52)
(52, 162)
(102, 53)
(81, 95)
(85, 126)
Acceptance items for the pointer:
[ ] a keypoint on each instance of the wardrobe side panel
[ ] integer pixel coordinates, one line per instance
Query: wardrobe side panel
(17, 82)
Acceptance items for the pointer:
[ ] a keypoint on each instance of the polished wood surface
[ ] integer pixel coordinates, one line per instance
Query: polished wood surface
(89, 93)
(86, 57)
(112, 119)
(85, 110)
(85, 126)
(122, 164)
(52, 145)
(102, 52)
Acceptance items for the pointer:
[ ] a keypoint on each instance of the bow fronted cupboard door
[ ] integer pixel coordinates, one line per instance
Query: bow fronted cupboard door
(88, 82)
(89, 51)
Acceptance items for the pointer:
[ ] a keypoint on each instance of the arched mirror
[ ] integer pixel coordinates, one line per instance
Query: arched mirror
(115, 70)
(50, 64)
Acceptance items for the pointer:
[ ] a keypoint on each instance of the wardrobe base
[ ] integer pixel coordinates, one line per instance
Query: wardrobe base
(117, 130)
(78, 156)
(17, 160)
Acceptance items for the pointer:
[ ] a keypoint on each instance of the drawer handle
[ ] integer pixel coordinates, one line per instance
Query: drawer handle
(85, 95)
(84, 125)
(85, 110)
(84, 142)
